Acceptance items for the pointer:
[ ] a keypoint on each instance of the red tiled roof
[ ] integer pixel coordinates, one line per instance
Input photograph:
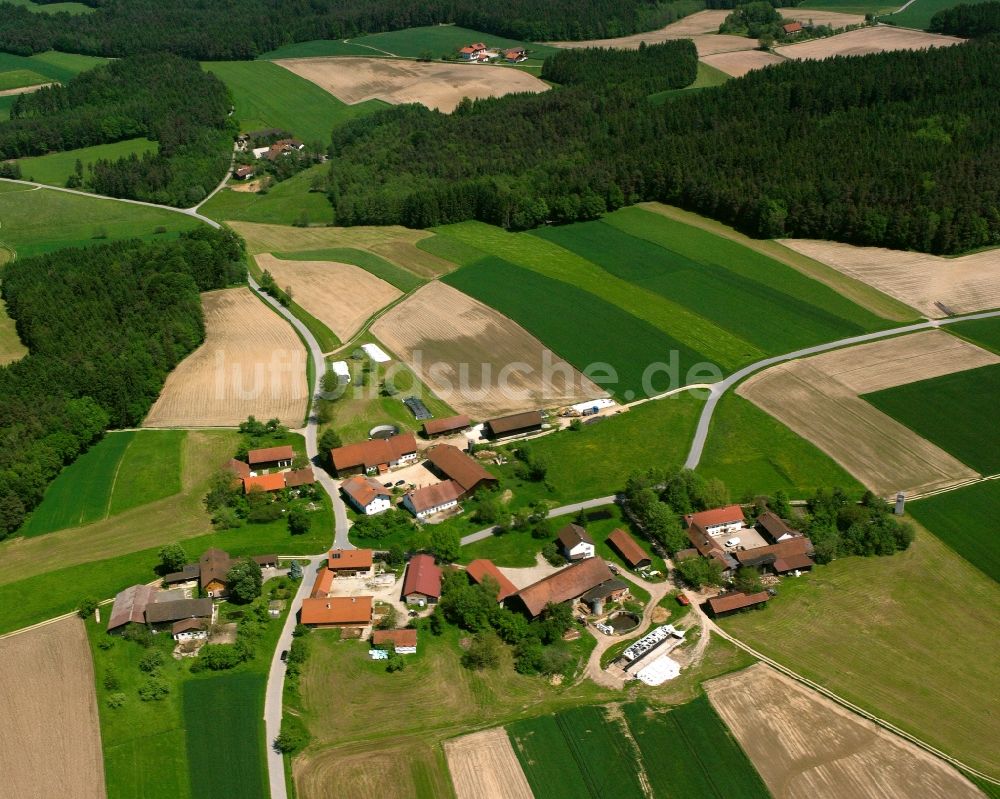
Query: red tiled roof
(130, 606)
(323, 584)
(569, 583)
(627, 547)
(184, 625)
(433, 496)
(422, 577)
(264, 482)
(397, 638)
(735, 600)
(299, 477)
(775, 525)
(239, 468)
(789, 548)
(482, 567)
(792, 562)
(792, 27)
(270, 454)
(437, 426)
(454, 463)
(337, 610)
(573, 534)
(349, 559)
(709, 518)
(374, 452)
(364, 490)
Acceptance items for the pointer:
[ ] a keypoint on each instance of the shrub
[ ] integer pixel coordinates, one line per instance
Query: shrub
(116, 700)
(395, 663)
(483, 652)
(153, 690)
(151, 661)
(106, 643)
(138, 634)
(86, 607)
(111, 681)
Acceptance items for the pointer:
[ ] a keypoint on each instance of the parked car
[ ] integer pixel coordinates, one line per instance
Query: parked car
(612, 568)
(732, 542)
(400, 482)
(386, 485)
(284, 655)
(683, 601)
(413, 614)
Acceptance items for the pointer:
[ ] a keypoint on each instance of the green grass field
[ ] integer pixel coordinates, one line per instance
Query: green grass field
(11, 348)
(36, 221)
(953, 411)
(920, 13)
(984, 332)
(754, 454)
(122, 471)
(268, 96)
(706, 78)
(55, 168)
(289, 202)
(852, 6)
(225, 746)
(18, 78)
(885, 632)
(964, 520)
(688, 751)
(53, 8)
(320, 48)
(397, 276)
(5, 105)
(51, 65)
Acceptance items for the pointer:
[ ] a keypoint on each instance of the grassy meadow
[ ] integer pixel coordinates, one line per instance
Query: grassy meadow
(19, 78)
(51, 65)
(268, 96)
(37, 221)
(964, 520)
(984, 332)
(753, 454)
(53, 8)
(290, 202)
(707, 77)
(920, 13)
(953, 411)
(11, 348)
(884, 632)
(55, 168)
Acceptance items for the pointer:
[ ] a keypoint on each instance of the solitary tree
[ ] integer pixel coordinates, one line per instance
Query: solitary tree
(299, 521)
(295, 571)
(172, 558)
(245, 581)
(87, 607)
(445, 544)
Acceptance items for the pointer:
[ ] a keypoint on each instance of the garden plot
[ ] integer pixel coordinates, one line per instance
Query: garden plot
(252, 363)
(341, 296)
(474, 358)
(805, 745)
(817, 398)
(864, 41)
(935, 286)
(435, 85)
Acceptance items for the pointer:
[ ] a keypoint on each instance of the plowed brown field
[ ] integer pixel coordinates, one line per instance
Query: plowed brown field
(478, 361)
(863, 41)
(341, 296)
(741, 62)
(962, 285)
(817, 397)
(436, 85)
(50, 738)
(808, 747)
(252, 362)
(483, 766)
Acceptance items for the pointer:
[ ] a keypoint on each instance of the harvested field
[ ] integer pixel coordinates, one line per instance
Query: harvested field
(877, 39)
(435, 85)
(252, 362)
(475, 359)
(394, 243)
(341, 296)
(818, 398)
(961, 285)
(483, 766)
(740, 62)
(50, 741)
(805, 745)
(686, 28)
(835, 19)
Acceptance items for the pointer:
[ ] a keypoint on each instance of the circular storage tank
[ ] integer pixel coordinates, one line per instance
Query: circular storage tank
(622, 622)
(383, 431)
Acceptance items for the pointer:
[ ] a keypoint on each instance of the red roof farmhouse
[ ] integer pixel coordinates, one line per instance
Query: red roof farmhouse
(375, 455)
(482, 568)
(564, 586)
(423, 580)
(271, 458)
(339, 611)
(456, 465)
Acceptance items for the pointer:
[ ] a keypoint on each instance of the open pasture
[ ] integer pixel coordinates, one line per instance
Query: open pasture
(984, 332)
(435, 85)
(50, 741)
(53, 8)
(19, 81)
(483, 766)
(919, 13)
(289, 202)
(267, 96)
(52, 65)
(864, 41)
(478, 361)
(963, 519)
(870, 629)
(342, 296)
(224, 729)
(440, 41)
(55, 168)
(11, 348)
(252, 362)
(818, 398)
(954, 411)
(394, 243)
(806, 745)
(935, 286)
(35, 221)
(739, 62)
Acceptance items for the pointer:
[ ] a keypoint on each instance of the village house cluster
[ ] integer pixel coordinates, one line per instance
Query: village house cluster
(269, 470)
(480, 53)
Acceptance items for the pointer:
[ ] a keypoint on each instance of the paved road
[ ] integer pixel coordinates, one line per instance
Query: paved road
(563, 510)
(718, 389)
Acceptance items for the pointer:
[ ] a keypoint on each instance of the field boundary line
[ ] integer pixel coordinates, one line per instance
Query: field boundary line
(114, 480)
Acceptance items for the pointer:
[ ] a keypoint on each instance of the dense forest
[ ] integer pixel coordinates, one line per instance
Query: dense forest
(670, 65)
(104, 326)
(897, 149)
(227, 29)
(162, 97)
(981, 19)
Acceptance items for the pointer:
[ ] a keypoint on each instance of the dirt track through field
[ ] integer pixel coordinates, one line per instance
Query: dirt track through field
(50, 738)
(817, 397)
(740, 62)
(341, 296)
(962, 285)
(483, 766)
(808, 747)
(252, 362)
(877, 39)
(475, 359)
(435, 85)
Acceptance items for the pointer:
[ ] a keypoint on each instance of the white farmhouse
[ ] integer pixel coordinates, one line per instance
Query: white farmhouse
(718, 521)
(367, 495)
(576, 542)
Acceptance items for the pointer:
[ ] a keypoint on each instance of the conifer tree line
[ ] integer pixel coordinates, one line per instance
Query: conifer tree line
(159, 96)
(973, 21)
(104, 326)
(898, 150)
